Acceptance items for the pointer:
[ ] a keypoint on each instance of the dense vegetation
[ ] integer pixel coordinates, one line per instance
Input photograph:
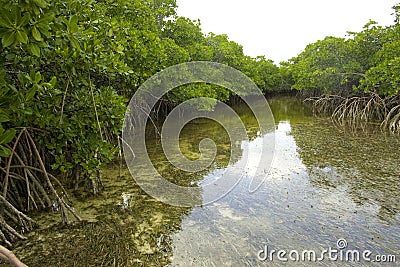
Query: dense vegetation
(68, 68)
(359, 76)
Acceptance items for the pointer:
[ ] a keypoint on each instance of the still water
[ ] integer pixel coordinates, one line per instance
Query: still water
(328, 188)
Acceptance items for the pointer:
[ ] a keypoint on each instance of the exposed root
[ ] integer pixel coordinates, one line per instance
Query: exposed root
(26, 185)
(357, 110)
(9, 256)
(392, 120)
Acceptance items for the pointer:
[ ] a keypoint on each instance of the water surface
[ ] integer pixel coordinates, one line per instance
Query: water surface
(325, 184)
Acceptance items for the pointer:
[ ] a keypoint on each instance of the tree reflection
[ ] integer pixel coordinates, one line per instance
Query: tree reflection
(365, 162)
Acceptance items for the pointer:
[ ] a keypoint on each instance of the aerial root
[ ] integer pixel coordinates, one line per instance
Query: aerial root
(9, 256)
(357, 110)
(26, 185)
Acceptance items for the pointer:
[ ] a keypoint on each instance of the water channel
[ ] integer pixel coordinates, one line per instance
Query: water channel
(328, 187)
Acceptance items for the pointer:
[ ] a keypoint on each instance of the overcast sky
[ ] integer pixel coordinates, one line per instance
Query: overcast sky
(280, 29)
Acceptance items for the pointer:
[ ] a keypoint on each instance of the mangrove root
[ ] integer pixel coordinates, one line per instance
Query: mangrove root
(9, 256)
(26, 185)
(357, 110)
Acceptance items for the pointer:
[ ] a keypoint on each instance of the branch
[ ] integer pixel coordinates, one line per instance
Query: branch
(63, 100)
(95, 109)
(64, 206)
(5, 186)
(9, 256)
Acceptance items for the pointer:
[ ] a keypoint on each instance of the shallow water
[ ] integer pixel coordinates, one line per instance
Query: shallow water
(325, 184)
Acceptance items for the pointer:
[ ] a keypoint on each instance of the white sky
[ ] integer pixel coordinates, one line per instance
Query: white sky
(280, 29)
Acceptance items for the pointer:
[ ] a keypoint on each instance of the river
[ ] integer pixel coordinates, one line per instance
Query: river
(329, 189)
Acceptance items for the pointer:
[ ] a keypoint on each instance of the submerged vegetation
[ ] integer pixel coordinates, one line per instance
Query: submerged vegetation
(68, 68)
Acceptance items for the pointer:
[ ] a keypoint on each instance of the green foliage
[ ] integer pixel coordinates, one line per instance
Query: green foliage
(367, 43)
(5, 137)
(384, 74)
(328, 64)
(367, 61)
(284, 78)
(225, 51)
(263, 72)
(55, 69)
(183, 41)
(67, 68)
(183, 31)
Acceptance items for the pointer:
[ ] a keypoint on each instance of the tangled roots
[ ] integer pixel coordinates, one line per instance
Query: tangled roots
(357, 110)
(26, 185)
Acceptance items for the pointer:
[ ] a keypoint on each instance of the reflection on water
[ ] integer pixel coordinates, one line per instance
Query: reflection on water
(324, 184)
(366, 163)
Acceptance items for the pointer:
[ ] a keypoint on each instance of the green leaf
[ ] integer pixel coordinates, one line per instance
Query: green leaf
(7, 136)
(53, 81)
(55, 166)
(73, 28)
(32, 75)
(75, 42)
(4, 151)
(4, 19)
(15, 14)
(31, 93)
(73, 24)
(24, 20)
(110, 33)
(73, 19)
(4, 117)
(27, 111)
(22, 36)
(45, 20)
(35, 50)
(36, 34)
(40, 3)
(8, 39)
(38, 77)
